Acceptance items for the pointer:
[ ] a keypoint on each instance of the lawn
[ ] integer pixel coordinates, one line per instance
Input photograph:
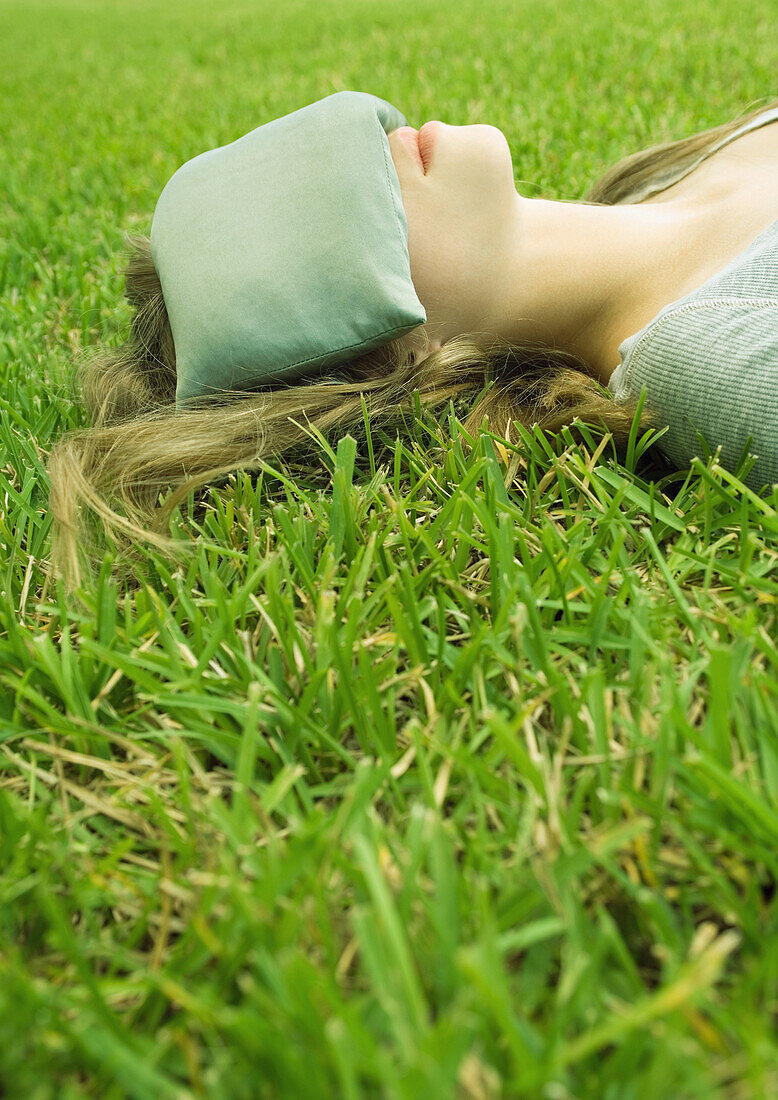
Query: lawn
(409, 785)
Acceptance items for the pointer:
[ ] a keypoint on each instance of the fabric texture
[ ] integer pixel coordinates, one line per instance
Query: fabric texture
(709, 361)
(285, 252)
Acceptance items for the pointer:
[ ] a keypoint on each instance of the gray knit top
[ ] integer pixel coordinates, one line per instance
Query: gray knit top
(710, 359)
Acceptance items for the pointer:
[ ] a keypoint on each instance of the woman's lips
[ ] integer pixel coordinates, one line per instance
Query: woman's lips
(410, 139)
(420, 142)
(427, 135)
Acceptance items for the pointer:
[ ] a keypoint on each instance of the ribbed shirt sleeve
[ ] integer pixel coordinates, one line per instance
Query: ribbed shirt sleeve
(709, 363)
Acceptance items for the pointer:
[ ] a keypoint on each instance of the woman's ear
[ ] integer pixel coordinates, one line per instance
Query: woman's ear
(420, 341)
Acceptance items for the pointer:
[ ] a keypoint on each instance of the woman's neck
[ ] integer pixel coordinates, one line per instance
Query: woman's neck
(583, 277)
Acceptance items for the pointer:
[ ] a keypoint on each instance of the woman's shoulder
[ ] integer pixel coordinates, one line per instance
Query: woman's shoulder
(750, 277)
(710, 365)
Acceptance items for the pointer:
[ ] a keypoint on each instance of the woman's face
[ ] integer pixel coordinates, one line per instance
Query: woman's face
(459, 218)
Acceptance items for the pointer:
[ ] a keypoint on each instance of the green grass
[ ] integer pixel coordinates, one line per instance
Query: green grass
(410, 785)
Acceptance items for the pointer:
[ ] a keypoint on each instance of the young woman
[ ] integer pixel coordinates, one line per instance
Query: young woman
(665, 276)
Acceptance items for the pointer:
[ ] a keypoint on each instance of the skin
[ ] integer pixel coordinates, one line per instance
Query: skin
(572, 275)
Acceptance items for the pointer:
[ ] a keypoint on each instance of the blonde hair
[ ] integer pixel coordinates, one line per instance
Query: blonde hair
(139, 444)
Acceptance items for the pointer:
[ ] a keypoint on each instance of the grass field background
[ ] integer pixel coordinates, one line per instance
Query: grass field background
(409, 785)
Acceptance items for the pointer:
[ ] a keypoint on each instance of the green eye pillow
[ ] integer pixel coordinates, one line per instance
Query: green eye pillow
(285, 252)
